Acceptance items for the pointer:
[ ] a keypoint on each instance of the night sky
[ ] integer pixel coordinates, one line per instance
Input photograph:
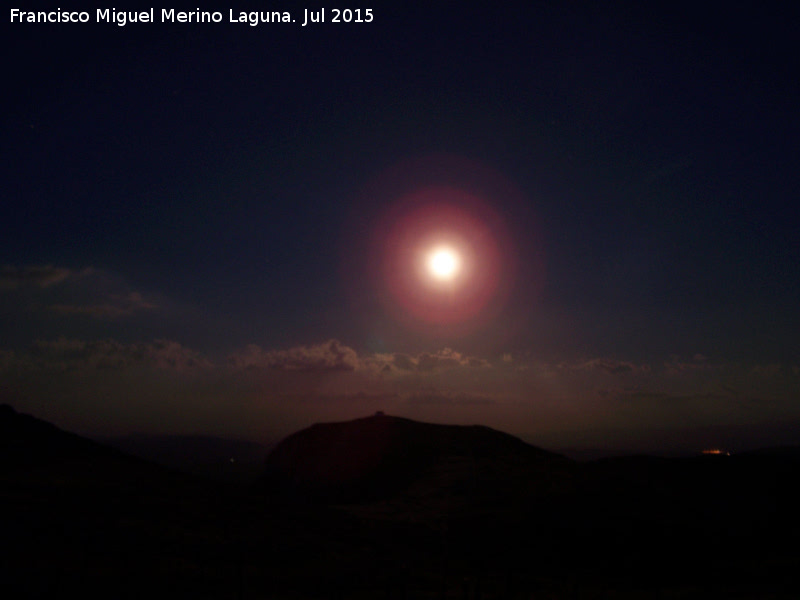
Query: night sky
(227, 229)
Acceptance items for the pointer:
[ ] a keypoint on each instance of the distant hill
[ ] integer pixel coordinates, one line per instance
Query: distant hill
(28, 439)
(381, 457)
(77, 516)
(222, 459)
(37, 453)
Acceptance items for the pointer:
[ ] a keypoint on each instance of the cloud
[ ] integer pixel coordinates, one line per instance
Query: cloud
(698, 362)
(89, 292)
(116, 306)
(610, 366)
(164, 385)
(443, 359)
(72, 354)
(331, 355)
(474, 361)
(428, 362)
(404, 362)
(42, 276)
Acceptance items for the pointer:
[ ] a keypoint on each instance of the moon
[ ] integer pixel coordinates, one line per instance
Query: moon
(444, 263)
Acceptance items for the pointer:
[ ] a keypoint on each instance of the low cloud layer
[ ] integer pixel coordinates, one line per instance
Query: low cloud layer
(425, 361)
(610, 366)
(331, 355)
(68, 355)
(115, 306)
(165, 385)
(69, 293)
(42, 276)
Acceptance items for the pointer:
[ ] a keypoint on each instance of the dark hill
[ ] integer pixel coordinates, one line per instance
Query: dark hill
(380, 457)
(81, 519)
(37, 454)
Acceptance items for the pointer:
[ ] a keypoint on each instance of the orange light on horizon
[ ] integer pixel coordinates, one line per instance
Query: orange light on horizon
(716, 452)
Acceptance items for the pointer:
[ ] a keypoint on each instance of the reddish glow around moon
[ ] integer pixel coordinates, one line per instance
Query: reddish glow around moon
(438, 256)
(441, 257)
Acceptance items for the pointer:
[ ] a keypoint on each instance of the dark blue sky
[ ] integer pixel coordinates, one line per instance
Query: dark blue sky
(215, 186)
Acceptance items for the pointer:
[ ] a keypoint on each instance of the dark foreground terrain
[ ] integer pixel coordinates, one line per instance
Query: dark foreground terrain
(389, 508)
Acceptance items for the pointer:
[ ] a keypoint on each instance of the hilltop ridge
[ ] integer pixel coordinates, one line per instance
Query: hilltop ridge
(381, 456)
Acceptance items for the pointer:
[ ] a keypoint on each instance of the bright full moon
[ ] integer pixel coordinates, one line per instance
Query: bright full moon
(444, 263)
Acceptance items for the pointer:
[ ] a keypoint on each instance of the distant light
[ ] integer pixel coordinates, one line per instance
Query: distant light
(716, 452)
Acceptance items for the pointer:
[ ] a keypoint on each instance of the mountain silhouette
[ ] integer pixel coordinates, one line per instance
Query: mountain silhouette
(381, 457)
(36, 453)
(392, 505)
